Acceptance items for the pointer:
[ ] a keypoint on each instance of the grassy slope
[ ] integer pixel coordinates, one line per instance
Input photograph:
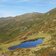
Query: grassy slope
(26, 27)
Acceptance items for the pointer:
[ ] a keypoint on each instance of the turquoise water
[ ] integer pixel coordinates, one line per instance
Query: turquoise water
(27, 44)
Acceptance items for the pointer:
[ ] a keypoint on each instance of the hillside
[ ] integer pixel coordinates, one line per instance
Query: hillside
(15, 30)
(20, 24)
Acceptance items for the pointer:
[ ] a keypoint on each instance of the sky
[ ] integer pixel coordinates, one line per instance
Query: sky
(18, 7)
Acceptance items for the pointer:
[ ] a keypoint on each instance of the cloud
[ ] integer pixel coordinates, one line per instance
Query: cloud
(23, 0)
(53, 2)
(2, 1)
(5, 13)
